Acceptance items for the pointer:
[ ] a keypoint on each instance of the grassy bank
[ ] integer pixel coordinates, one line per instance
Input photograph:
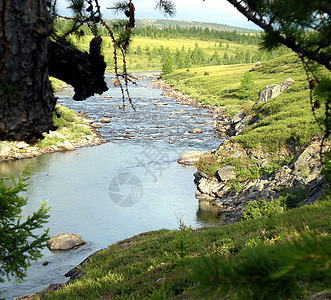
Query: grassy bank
(286, 120)
(70, 127)
(72, 131)
(292, 258)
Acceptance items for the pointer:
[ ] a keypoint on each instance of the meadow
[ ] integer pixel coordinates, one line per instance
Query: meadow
(286, 119)
(280, 256)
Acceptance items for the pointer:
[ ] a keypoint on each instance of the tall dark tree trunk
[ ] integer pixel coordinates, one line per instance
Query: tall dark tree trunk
(26, 96)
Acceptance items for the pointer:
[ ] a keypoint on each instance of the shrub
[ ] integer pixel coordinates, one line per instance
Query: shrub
(261, 208)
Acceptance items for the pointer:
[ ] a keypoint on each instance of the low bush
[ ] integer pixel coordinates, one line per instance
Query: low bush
(262, 208)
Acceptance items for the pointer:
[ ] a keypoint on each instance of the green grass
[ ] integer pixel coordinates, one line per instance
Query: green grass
(284, 120)
(56, 83)
(168, 264)
(142, 62)
(70, 127)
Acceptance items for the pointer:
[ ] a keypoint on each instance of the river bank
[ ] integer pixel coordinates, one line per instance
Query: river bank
(167, 269)
(78, 131)
(180, 263)
(273, 143)
(146, 143)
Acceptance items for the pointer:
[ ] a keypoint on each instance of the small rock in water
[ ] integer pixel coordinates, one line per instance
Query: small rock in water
(196, 130)
(65, 241)
(45, 263)
(105, 120)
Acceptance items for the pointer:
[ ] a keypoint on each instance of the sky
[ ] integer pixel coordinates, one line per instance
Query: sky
(215, 11)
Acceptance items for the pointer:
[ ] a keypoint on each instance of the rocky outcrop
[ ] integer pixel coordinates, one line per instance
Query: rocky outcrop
(303, 173)
(65, 241)
(273, 90)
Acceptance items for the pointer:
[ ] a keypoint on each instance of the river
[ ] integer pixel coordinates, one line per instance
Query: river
(129, 185)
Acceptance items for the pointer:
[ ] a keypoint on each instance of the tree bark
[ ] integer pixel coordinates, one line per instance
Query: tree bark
(27, 58)
(26, 96)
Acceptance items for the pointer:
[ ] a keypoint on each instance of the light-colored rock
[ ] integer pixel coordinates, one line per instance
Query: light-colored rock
(5, 148)
(56, 135)
(21, 145)
(65, 146)
(273, 90)
(65, 241)
(258, 187)
(306, 156)
(190, 157)
(104, 120)
(209, 186)
(263, 162)
(226, 173)
(196, 131)
(238, 117)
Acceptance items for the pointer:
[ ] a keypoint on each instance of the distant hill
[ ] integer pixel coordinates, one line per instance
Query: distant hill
(173, 23)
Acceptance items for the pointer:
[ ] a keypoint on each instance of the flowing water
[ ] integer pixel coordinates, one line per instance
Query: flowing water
(129, 185)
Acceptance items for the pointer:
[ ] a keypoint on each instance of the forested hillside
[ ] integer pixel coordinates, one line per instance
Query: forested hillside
(176, 47)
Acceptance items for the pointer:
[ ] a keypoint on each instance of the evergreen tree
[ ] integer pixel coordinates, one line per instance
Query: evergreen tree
(167, 66)
(139, 51)
(247, 85)
(248, 57)
(226, 59)
(19, 244)
(215, 59)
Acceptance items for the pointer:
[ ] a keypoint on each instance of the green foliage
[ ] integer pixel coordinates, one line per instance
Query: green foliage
(167, 66)
(19, 243)
(247, 85)
(146, 267)
(208, 164)
(275, 164)
(262, 208)
(69, 126)
(244, 168)
(268, 272)
(291, 198)
(6, 89)
(182, 241)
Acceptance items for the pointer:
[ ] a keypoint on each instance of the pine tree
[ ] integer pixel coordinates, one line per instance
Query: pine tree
(167, 66)
(247, 85)
(19, 244)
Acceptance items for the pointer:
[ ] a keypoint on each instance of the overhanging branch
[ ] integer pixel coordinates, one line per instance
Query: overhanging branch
(320, 57)
(84, 71)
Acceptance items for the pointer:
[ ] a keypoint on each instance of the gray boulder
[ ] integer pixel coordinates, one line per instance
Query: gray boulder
(65, 241)
(273, 90)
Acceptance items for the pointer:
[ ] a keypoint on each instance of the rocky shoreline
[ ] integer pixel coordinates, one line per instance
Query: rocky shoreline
(302, 174)
(215, 193)
(221, 121)
(21, 150)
